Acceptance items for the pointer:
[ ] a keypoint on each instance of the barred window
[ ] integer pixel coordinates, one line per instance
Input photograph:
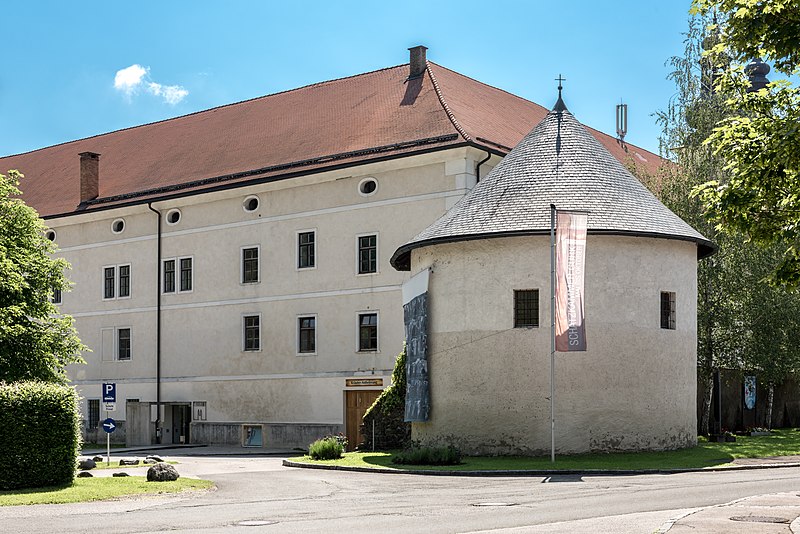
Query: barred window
(526, 308)
(93, 417)
(668, 310)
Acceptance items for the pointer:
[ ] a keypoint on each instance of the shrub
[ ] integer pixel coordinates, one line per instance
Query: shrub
(428, 456)
(388, 413)
(39, 434)
(327, 448)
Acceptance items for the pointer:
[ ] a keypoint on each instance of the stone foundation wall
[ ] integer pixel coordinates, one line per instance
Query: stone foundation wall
(275, 435)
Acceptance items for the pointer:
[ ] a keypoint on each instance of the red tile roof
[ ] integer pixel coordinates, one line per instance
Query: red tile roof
(342, 122)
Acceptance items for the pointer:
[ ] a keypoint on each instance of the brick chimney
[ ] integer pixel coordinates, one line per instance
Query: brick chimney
(418, 61)
(90, 176)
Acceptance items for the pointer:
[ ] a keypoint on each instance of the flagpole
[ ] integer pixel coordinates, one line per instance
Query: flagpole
(552, 332)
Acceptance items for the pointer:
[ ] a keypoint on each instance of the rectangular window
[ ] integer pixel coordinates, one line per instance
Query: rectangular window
(526, 308)
(169, 276)
(367, 254)
(668, 310)
(186, 274)
(109, 281)
(306, 250)
(367, 332)
(93, 417)
(252, 332)
(249, 265)
(124, 281)
(56, 298)
(124, 344)
(307, 335)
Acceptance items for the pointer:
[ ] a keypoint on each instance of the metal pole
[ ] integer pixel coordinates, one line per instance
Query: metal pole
(552, 332)
(108, 448)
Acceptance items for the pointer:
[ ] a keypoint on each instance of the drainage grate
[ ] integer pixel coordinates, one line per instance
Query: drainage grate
(761, 519)
(255, 523)
(495, 504)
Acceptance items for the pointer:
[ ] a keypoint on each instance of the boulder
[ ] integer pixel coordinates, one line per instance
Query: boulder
(120, 474)
(155, 458)
(84, 474)
(162, 472)
(86, 463)
(149, 461)
(98, 458)
(128, 462)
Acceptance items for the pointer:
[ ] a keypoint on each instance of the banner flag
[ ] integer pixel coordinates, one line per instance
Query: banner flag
(570, 263)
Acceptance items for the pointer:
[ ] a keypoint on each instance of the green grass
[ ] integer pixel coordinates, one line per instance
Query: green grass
(99, 489)
(782, 443)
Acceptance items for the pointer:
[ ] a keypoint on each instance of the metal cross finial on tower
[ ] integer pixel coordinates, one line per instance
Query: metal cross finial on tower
(560, 106)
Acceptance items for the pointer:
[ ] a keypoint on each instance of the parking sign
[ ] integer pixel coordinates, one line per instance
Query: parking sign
(110, 392)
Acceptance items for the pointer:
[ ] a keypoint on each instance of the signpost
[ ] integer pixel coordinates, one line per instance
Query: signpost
(109, 426)
(110, 401)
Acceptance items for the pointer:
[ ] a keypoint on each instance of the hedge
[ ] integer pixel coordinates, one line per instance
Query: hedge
(39, 434)
(388, 413)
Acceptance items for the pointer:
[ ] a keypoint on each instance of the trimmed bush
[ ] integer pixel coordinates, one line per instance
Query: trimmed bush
(388, 413)
(39, 434)
(428, 456)
(328, 448)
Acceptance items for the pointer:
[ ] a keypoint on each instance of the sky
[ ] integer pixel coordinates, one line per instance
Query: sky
(70, 70)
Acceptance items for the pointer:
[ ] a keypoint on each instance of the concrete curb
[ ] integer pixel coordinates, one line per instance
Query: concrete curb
(537, 472)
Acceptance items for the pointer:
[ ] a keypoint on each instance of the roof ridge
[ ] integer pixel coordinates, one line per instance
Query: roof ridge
(491, 86)
(443, 102)
(230, 104)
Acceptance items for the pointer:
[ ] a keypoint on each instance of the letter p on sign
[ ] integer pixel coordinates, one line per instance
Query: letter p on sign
(110, 392)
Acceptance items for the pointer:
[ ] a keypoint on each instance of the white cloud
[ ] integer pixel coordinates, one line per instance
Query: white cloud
(131, 79)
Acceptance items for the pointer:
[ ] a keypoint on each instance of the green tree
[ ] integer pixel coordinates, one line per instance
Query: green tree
(759, 140)
(36, 342)
(738, 326)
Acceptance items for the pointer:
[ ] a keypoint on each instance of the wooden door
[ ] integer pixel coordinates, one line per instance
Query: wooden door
(357, 404)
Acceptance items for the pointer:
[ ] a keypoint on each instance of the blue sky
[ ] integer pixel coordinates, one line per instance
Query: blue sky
(59, 60)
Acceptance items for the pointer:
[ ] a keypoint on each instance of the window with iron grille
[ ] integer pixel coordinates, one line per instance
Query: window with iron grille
(252, 332)
(123, 343)
(367, 254)
(124, 281)
(109, 281)
(306, 250)
(526, 308)
(93, 417)
(668, 310)
(367, 332)
(249, 265)
(169, 276)
(307, 335)
(186, 274)
(56, 298)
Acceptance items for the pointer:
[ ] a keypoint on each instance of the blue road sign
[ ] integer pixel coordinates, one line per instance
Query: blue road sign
(109, 425)
(110, 392)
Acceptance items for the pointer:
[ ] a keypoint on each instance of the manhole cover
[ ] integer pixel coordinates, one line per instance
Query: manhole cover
(255, 523)
(760, 519)
(495, 504)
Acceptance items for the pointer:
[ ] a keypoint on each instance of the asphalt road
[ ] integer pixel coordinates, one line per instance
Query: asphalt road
(257, 494)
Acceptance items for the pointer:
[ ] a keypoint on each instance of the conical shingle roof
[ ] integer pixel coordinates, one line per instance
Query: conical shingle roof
(559, 162)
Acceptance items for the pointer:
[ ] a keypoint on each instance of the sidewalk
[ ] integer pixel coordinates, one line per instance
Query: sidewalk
(767, 514)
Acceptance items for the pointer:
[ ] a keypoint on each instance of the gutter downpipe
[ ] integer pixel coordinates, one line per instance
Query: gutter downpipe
(478, 166)
(158, 327)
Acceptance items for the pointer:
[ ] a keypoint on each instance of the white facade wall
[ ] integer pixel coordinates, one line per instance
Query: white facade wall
(202, 355)
(633, 389)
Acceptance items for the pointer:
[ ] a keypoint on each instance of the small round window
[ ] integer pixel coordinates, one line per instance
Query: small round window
(368, 186)
(51, 235)
(250, 203)
(173, 216)
(118, 226)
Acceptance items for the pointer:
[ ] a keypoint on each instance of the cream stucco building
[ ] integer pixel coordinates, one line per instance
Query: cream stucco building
(634, 387)
(231, 267)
